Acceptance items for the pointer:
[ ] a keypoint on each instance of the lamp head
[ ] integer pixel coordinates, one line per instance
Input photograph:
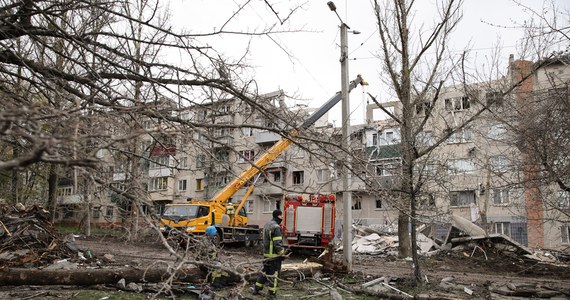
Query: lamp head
(331, 5)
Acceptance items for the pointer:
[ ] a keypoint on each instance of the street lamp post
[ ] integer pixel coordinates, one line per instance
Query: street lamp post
(346, 195)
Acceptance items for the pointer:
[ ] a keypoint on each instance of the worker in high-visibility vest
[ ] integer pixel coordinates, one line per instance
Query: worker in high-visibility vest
(273, 252)
(230, 211)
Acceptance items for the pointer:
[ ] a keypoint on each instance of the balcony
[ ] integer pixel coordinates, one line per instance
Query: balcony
(266, 137)
(159, 172)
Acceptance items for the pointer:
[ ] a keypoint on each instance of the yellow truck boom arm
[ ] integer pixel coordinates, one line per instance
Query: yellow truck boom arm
(229, 190)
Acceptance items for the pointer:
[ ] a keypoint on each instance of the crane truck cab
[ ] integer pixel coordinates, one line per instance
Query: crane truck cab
(195, 216)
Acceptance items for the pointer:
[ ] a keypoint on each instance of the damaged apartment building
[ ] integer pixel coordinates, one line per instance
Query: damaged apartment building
(481, 171)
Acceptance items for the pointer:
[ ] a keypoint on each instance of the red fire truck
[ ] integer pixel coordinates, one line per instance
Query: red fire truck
(309, 220)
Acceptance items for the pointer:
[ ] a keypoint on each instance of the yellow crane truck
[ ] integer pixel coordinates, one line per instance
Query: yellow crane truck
(194, 216)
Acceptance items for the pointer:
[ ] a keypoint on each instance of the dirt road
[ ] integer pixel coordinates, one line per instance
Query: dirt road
(458, 275)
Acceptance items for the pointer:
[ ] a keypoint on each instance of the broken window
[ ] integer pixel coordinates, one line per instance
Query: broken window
(378, 203)
(356, 204)
(457, 103)
(246, 155)
(494, 97)
(423, 108)
(426, 201)
(462, 198)
(298, 177)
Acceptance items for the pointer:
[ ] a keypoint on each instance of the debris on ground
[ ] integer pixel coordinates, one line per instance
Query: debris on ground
(29, 239)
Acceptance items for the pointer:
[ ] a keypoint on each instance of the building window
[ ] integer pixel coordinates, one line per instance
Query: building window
(384, 170)
(222, 155)
(494, 97)
(220, 132)
(463, 135)
(323, 175)
(389, 137)
(269, 205)
(200, 159)
(423, 108)
(378, 203)
(357, 204)
(460, 166)
(200, 184)
(375, 139)
(64, 191)
(96, 212)
(499, 163)
(183, 162)
(246, 155)
(563, 199)
(497, 132)
(182, 185)
(501, 196)
(298, 177)
(462, 198)
(247, 131)
(201, 115)
(457, 103)
(159, 162)
(225, 109)
(109, 211)
(565, 234)
(425, 138)
(426, 201)
(249, 206)
(158, 184)
(270, 124)
(502, 228)
(220, 180)
(273, 176)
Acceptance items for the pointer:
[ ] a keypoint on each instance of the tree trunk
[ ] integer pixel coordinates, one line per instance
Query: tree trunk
(52, 191)
(404, 249)
(20, 276)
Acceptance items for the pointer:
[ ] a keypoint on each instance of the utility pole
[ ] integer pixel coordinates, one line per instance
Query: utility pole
(346, 172)
(346, 195)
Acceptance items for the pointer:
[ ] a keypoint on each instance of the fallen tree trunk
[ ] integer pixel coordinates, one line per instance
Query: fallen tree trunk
(85, 277)
(19, 276)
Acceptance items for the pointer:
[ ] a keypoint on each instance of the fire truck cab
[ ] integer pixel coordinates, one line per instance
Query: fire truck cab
(309, 220)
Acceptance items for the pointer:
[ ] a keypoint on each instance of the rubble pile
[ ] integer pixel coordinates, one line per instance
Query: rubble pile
(28, 239)
(463, 237)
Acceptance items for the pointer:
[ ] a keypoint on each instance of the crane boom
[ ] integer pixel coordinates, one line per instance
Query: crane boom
(229, 190)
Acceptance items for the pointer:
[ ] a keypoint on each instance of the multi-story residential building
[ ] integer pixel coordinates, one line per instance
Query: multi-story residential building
(478, 169)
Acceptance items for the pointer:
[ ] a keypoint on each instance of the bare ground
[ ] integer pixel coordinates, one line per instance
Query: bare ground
(449, 275)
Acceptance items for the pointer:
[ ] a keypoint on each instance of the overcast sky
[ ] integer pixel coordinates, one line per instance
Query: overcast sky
(306, 64)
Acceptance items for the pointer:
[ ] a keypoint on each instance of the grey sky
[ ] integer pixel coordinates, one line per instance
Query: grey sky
(306, 63)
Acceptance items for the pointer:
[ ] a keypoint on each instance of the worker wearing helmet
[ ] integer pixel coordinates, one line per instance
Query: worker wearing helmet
(273, 253)
(209, 251)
